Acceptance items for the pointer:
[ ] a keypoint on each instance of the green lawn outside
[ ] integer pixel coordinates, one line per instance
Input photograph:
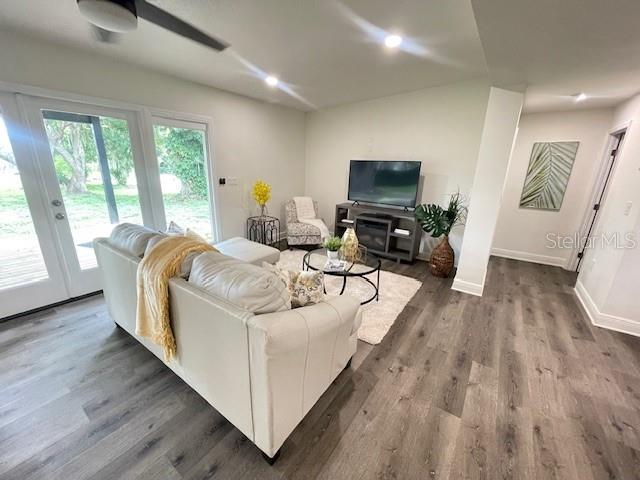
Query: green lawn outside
(90, 209)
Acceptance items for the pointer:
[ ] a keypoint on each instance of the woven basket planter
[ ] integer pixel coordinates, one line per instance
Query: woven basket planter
(441, 260)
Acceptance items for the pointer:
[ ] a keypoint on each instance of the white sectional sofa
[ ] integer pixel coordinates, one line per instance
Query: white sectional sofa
(262, 372)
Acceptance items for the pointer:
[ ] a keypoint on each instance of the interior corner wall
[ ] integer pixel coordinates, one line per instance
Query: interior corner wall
(498, 135)
(440, 126)
(607, 284)
(251, 139)
(521, 233)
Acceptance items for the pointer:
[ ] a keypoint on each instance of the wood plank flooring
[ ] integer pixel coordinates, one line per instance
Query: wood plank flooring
(515, 384)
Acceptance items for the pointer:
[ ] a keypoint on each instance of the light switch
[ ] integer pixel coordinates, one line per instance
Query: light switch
(232, 180)
(627, 208)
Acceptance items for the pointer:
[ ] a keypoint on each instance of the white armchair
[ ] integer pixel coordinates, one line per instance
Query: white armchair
(299, 233)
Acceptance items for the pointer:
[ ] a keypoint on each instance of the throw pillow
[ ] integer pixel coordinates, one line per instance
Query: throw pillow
(174, 229)
(305, 288)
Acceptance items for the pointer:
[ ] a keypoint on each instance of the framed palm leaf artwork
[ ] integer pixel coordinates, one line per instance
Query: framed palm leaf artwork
(548, 175)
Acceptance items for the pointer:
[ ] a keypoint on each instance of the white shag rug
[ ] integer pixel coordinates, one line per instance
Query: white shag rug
(377, 317)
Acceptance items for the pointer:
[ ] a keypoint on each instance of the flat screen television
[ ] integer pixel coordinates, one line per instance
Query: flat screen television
(384, 182)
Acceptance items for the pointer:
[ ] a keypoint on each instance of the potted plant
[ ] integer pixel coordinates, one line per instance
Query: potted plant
(438, 222)
(332, 244)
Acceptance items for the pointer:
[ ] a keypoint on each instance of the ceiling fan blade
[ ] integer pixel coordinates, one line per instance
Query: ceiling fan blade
(164, 19)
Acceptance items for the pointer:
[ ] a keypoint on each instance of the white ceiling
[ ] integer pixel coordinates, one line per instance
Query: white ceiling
(325, 50)
(330, 52)
(557, 48)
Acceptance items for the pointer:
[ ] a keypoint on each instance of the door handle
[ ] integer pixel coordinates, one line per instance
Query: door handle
(56, 203)
(59, 216)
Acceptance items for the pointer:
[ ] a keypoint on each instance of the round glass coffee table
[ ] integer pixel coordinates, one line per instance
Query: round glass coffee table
(317, 260)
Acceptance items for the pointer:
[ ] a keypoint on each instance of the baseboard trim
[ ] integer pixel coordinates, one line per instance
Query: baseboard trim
(603, 320)
(530, 257)
(467, 287)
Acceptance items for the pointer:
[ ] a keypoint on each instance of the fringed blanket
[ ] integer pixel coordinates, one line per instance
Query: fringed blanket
(154, 271)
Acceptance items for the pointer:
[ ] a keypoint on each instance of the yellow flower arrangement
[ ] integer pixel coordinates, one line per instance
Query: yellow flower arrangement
(261, 192)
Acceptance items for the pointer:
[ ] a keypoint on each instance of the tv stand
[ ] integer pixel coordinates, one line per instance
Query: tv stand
(387, 232)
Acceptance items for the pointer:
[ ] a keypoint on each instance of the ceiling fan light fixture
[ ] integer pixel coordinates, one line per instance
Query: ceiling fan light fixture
(113, 15)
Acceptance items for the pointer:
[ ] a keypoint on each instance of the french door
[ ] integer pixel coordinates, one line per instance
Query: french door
(30, 272)
(71, 171)
(82, 172)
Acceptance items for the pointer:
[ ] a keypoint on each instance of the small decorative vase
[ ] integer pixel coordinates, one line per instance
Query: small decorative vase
(332, 255)
(349, 247)
(263, 210)
(441, 260)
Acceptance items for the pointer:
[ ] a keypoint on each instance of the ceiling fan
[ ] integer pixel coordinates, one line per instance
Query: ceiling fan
(111, 17)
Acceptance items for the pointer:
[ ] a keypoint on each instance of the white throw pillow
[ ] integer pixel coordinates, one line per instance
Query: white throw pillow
(248, 286)
(174, 229)
(131, 238)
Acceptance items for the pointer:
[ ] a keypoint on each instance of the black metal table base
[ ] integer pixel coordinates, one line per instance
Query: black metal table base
(376, 285)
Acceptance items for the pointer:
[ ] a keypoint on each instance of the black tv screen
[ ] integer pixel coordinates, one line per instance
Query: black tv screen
(384, 182)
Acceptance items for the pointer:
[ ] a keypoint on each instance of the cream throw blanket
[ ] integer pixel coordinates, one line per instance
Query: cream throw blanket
(154, 271)
(306, 213)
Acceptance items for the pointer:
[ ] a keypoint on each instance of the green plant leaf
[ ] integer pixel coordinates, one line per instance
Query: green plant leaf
(548, 174)
(333, 244)
(437, 221)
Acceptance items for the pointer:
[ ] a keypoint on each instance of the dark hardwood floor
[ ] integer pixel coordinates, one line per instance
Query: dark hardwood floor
(515, 384)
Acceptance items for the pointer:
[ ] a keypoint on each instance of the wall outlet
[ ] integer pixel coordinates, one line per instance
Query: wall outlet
(232, 180)
(627, 208)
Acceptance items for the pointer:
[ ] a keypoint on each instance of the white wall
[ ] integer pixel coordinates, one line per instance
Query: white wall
(439, 126)
(252, 139)
(498, 135)
(608, 281)
(521, 233)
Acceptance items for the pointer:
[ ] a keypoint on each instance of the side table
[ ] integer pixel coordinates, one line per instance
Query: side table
(263, 229)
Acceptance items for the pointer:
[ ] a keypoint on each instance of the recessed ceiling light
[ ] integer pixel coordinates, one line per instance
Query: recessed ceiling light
(580, 97)
(271, 80)
(393, 41)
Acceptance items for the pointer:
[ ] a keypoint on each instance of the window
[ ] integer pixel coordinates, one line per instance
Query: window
(182, 158)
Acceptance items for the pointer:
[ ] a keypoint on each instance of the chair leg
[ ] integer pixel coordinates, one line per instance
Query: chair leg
(271, 460)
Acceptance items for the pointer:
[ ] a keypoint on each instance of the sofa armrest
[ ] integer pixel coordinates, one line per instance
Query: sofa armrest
(294, 356)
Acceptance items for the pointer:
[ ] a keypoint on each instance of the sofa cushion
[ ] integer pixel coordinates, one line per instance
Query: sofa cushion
(249, 251)
(245, 285)
(187, 263)
(303, 229)
(131, 238)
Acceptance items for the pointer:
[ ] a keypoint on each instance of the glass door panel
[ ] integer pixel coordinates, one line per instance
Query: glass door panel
(31, 273)
(184, 181)
(94, 167)
(21, 259)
